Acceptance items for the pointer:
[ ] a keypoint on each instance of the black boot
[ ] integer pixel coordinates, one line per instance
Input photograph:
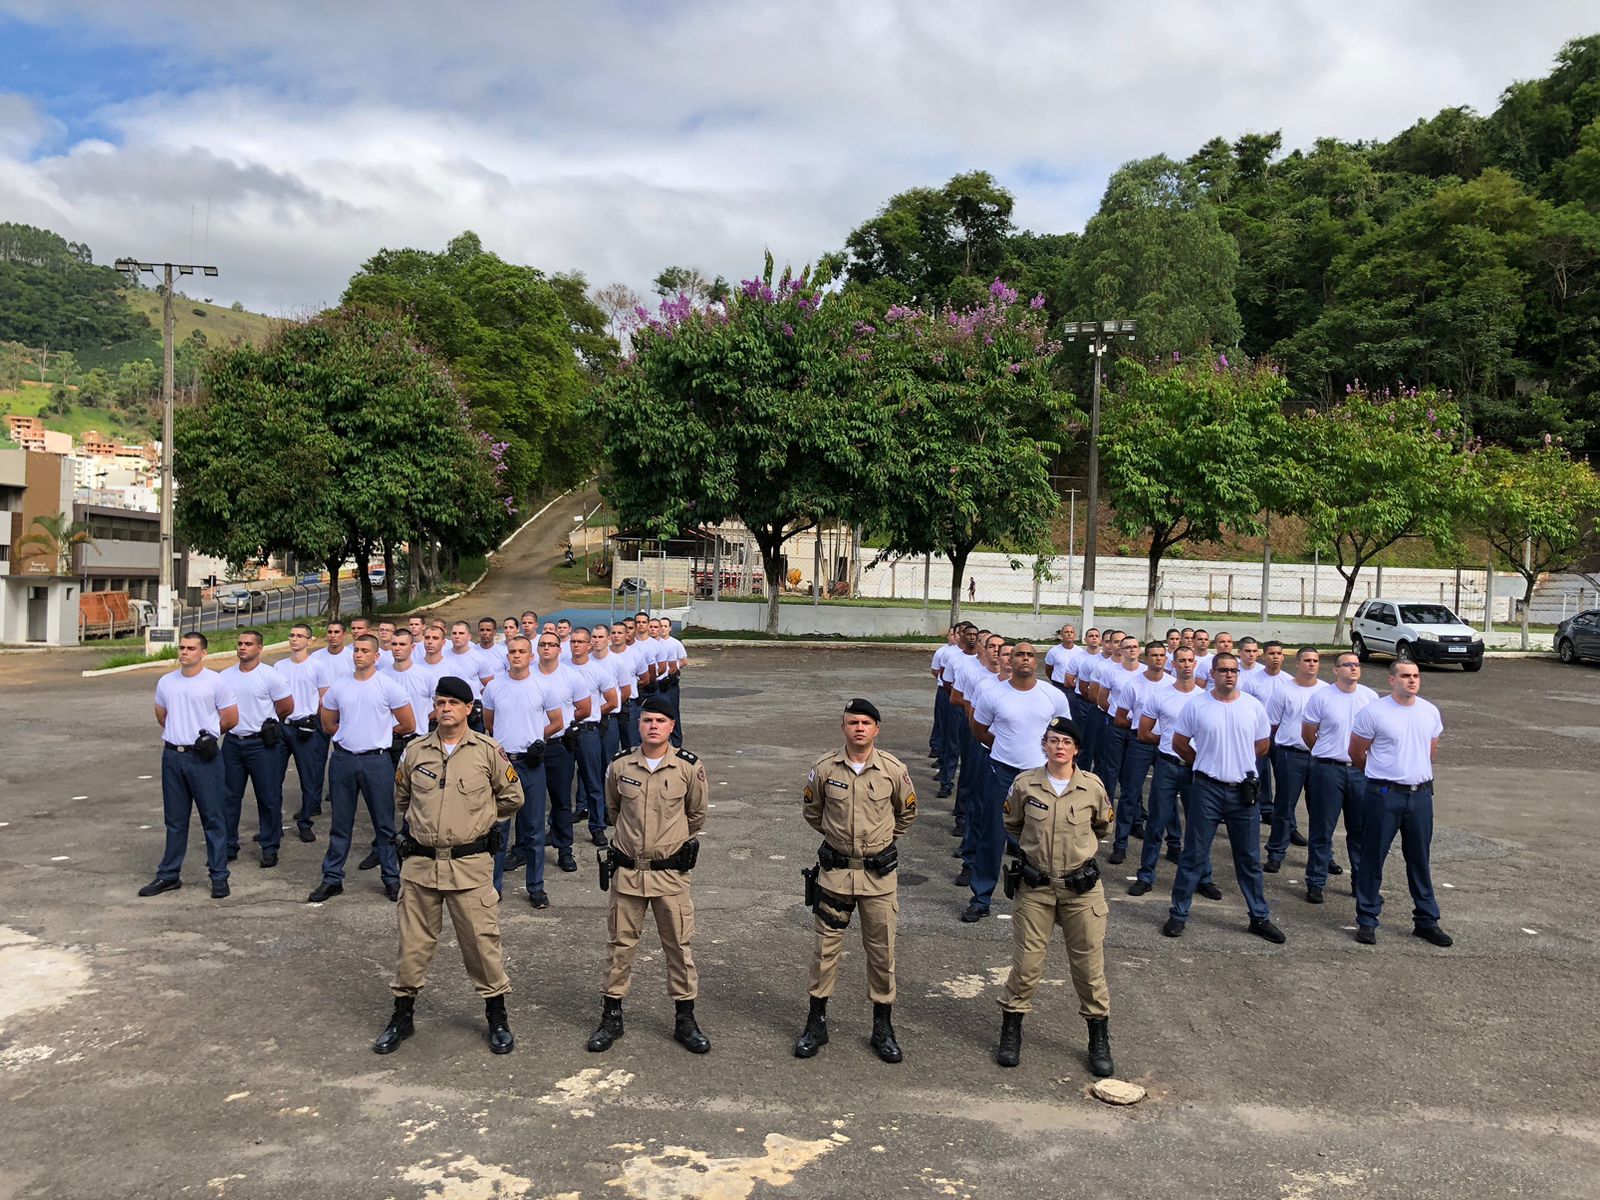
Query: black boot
(883, 1034)
(686, 1032)
(815, 1035)
(1009, 1052)
(399, 1027)
(1100, 1048)
(610, 1028)
(500, 1039)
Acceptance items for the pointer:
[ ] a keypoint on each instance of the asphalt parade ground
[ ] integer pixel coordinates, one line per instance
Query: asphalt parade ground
(179, 1046)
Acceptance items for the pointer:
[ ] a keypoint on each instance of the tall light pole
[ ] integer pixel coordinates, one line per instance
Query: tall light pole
(1100, 334)
(164, 614)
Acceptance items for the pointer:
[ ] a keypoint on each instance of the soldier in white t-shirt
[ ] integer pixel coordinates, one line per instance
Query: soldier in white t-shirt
(253, 752)
(302, 728)
(194, 709)
(1394, 741)
(1291, 758)
(524, 720)
(1334, 786)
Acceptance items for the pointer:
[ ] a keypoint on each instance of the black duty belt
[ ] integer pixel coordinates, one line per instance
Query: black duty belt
(1292, 750)
(1172, 758)
(629, 863)
(1332, 762)
(1393, 786)
(179, 749)
(1219, 782)
(361, 753)
(445, 853)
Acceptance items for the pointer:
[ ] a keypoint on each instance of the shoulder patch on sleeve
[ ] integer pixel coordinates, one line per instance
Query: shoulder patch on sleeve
(511, 773)
(501, 751)
(687, 757)
(621, 753)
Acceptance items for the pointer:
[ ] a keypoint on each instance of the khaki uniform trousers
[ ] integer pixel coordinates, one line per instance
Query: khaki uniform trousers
(674, 922)
(877, 939)
(1034, 915)
(475, 913)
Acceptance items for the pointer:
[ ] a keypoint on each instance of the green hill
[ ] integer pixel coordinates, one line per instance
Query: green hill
(220, 325)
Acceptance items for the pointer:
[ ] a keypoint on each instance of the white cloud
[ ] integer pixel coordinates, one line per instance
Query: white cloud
(615, 139)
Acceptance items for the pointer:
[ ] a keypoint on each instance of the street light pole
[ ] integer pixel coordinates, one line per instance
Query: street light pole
(1100, 334)
(164, 598)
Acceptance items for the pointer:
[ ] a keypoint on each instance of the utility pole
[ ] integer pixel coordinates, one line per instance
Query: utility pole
(1100, 335)
(164, 605)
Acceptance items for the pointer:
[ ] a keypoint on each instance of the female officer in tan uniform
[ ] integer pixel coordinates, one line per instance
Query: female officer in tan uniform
(1058, 813)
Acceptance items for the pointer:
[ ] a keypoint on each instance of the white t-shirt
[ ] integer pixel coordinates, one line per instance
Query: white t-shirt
(1202, 667)
(366, 711)
(257, 692)
(334, 666)
(1018, 719)
(1055, 659)
(1058, 786)
(1261, 685)
(305, 680)
(634, 661)
(1333, 712)
(1224, 734)
(419, 653)
(970, 674)
(417, 681)
(1111, 675)
(953, 664)
(192, 703)
(1284, 708)
(470, 667)
(618, 672)
(566, 651)
(596, 678)
(680, 652)
(519, 707)
(1162, 705)
(564, 688)
(1079, 660)
(385, 660)
(1401, 737)
(942, 655)
(1131, 693)
(495, 656)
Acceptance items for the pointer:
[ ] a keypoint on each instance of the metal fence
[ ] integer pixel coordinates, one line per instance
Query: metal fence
(277, 604)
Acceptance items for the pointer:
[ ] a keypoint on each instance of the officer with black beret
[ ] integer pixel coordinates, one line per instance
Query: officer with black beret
(860, 799)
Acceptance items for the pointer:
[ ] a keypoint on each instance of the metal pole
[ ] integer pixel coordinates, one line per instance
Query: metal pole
(716, 565)
(927, 575)
(816, 568)
(1072, 535)
(1266, 565)
(164, 578)
(1096, 348)
(1488, 594)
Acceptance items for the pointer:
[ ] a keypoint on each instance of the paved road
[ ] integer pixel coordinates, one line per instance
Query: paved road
(152, 1046)
(519, 575)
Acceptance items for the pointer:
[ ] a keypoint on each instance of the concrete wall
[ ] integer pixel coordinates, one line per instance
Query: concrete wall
(61, 626)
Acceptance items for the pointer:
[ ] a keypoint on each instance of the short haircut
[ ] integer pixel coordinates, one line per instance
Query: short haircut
(519, 637)
(1338, 659)
(250, 633)
(1225, 654)
(196, 637)
(455, 625)
(1394, 667)
(641, 613)
(1247, 640)
(331, 624)
(603, 626)
(1198, 631)
(302, 626)
(1182, 650)
(1307, 650)
(1270, 643)
(1170, 632)
(491, 621)
(1157, 645)
(386, 621)
(368, 638)
(528, 612)
(1091, 629)
(405, 633)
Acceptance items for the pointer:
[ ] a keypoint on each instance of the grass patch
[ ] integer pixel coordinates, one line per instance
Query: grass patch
(131, 658)
(220, 325)
(695, 633)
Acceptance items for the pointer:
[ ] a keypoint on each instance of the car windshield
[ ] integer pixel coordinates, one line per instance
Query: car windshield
(1428, 614)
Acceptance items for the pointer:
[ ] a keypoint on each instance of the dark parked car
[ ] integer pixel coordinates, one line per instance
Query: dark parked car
(1578, 637)
(632, 586)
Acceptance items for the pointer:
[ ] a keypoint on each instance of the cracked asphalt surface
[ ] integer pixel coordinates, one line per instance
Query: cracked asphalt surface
(181, 1046)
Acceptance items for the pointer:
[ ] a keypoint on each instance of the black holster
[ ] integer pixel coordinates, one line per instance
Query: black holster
(271, 733)
(1250, 790)
(533, 755)
(603, 860)
(830, 859)
(809, 874)
(1082, 879)
(1030, 874)
(884, 861)
(1011, 878)
(206, 747)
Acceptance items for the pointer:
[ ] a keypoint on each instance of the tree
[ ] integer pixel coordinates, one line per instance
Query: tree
(1372, 470)
(1536, 510)
(619, 303)
(1170, 453)
(965, 417)
(690, 282)
(55, 536)
(308, 445)
(1156, 251)
(738, 411)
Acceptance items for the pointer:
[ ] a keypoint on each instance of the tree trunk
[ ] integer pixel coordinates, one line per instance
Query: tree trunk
(1156, 550)
(333, 588)
(1344, 601)
(388, 571)
(1527, 603)
(363, 549)
(958, 571)
(770, 543)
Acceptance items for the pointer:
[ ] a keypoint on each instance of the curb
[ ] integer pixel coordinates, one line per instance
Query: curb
(167, 662)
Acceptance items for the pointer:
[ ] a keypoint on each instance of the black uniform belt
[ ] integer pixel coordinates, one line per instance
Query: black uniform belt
(360, 753)
(1333, 762)
(629, 863)
(1292, 750)
(834, 860)
(1219, 782)
(179, 749)
(481, 846)
(1171, 758)
(1394, 786)
(245, 737)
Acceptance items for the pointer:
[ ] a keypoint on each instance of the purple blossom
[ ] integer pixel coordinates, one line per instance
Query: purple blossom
(1001, 292)
(1176, 357)
(788, 329)
(1015, 368)
(1037, 302)
(898, 312)
(864, 328)
(1222, 361)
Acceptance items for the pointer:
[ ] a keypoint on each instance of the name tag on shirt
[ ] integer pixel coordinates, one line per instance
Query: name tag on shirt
(633, 782)
(1032, 803)
(840, 784)
(425, 771)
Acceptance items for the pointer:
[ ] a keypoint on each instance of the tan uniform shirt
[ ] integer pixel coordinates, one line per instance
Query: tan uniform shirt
(1057, 833)
(452, 800)
(655, 813)
(859, 815)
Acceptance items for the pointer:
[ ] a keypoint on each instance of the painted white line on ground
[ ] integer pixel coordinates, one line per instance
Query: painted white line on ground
(1534, 932)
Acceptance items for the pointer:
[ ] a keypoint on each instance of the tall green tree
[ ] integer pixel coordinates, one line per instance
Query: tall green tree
(1537, 511)
(1372, 470)
(1156, 252)
(309, 445)
(742, 411)
(1187, 453)
(966, 417)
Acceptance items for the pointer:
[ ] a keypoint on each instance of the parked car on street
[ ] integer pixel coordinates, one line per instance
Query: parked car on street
(242, 600)
(1578, 637)
(632, 586)
(1419, 630)
(377, 574)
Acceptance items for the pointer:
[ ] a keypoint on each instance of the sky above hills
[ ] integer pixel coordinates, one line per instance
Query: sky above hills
(286, 142)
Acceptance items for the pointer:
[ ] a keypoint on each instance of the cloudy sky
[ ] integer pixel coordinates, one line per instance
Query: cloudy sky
(287, 141)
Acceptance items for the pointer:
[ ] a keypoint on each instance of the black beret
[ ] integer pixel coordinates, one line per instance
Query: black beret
(655, 704)
(1064, 726)
(863, 708)
(453, 687)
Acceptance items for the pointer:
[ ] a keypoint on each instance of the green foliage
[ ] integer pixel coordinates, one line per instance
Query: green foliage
(310, 445)
(54, 536)
(1180, 453)
(524, 348)
(1373, 469)
(52, 294)
(965, 418)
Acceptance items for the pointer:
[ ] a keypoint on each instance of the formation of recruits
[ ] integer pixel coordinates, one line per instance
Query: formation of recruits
(1037, 763)
(1043, 766)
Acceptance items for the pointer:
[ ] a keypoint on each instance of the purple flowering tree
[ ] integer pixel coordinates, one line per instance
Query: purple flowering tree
(969, 417)
(739, 410)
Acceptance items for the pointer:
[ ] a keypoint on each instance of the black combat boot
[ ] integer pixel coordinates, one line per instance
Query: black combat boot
(1100, 1048)
(610, 1028)
(686, 1032)
(1009, 1052)
(815, 1035)
(883, 1034)
(399, 1027)
(500, 1039)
